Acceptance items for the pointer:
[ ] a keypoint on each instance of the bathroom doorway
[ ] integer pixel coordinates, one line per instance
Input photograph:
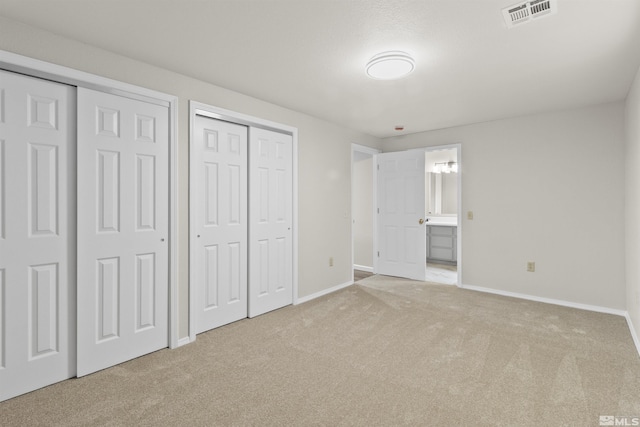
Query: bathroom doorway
(442, 213)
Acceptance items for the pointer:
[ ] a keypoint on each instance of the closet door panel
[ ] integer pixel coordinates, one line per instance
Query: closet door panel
(220, 230)
(123, 227)
(37, 233)
(270, 221)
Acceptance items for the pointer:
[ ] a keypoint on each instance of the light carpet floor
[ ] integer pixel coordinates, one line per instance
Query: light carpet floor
(384, 352)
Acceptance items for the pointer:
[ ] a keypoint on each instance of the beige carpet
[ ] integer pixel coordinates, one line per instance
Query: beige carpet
(385, 352)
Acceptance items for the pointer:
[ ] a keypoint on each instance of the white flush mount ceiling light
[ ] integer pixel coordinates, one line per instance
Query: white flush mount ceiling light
(390, 65)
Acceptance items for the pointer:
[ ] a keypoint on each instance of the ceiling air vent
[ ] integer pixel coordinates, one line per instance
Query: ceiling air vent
(528, 11)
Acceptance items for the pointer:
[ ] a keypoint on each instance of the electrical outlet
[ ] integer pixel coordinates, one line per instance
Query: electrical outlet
(531, 266)
(330, 261)
(470, 215)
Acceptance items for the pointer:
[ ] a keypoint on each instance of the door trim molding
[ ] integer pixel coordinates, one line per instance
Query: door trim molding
(201, 109)
(57, 73)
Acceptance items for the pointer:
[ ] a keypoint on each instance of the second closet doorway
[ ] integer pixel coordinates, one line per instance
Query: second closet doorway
(242, 218)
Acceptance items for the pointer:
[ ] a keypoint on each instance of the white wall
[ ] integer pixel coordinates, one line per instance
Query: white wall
(324, 153)
(362, 199)
(547, 188)
(632, 211)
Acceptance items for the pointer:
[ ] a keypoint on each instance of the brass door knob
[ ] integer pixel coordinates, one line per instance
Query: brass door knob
(421, 221)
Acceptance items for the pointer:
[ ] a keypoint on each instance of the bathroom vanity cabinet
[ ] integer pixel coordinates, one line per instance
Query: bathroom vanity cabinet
(442, 243)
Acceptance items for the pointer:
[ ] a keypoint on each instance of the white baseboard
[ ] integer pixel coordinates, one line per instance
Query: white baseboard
(634, 334)
(323, 292)
(363, 268)
(563, 303)
(183, 341)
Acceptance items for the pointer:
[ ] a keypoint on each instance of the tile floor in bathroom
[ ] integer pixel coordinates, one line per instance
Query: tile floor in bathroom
(437, 273)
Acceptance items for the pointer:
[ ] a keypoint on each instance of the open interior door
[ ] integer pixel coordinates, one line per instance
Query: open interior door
(402, 241)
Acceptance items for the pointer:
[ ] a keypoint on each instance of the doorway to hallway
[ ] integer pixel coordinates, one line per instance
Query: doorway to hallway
(362, 209)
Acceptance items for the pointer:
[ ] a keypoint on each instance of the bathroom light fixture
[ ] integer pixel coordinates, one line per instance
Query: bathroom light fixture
(445, 167)
(390, 65)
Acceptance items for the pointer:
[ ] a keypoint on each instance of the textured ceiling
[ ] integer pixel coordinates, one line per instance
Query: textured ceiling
(309, 55)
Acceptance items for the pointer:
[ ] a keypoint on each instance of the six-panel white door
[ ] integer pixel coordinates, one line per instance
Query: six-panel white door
(270, 221)
(122, 229)
(220, 231)
(37, 233)
(401, 200)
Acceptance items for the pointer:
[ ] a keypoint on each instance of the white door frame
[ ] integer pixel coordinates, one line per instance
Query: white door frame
(458, 148)
(357, 148)
(198, 108)
(57, 73)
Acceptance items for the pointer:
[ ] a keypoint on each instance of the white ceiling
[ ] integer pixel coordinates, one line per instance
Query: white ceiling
(309, 55)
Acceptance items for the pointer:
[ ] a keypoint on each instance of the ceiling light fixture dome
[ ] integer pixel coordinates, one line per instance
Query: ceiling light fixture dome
(390, 65)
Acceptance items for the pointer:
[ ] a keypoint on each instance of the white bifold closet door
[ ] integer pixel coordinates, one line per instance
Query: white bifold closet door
(37, 233)
(123, 229)
(270, 221)
(221, 222)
